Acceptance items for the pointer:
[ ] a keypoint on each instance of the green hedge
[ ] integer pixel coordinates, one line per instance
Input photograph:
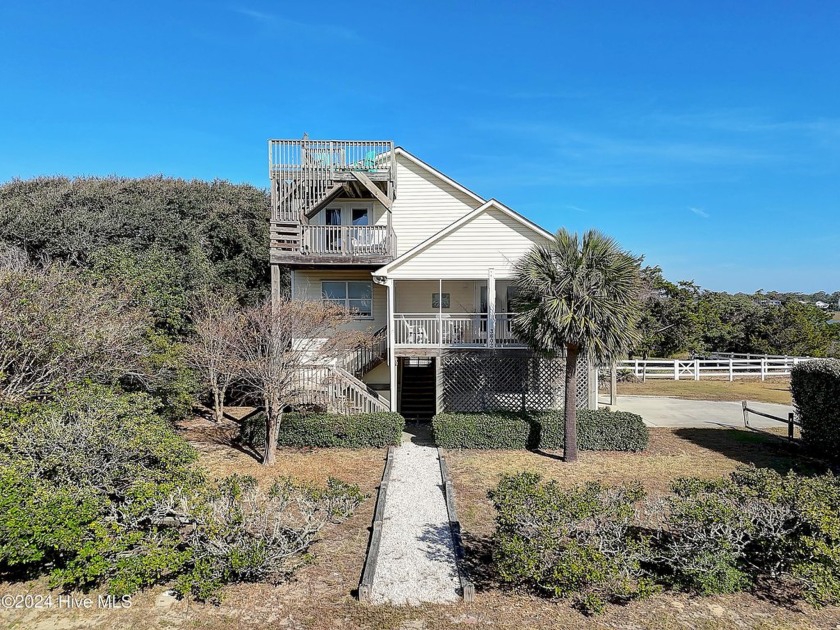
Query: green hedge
(324, 429)
(816, 395)
(599, 430)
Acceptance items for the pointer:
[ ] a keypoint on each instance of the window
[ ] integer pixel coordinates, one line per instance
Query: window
(436, 300)
(356, 297)
(360, 216)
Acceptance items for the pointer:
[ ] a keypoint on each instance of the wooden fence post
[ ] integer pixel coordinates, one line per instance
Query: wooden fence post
(731, 376)
(696, 369)
(763, 368)
(790, 426)
(676, 369)
(746, 414)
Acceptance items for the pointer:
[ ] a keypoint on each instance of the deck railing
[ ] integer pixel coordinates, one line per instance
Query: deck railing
(291, 156)
(347, 240)
(304, 172)
(452, 329)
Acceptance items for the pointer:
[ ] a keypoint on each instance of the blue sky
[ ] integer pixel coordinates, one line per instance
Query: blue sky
(705, 136)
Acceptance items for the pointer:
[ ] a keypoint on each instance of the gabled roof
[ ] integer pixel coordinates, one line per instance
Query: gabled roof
(399, 151)
(488, 205)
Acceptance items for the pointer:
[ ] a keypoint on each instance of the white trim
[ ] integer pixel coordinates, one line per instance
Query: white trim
(392, 355)
(491, 204)
(399, 151)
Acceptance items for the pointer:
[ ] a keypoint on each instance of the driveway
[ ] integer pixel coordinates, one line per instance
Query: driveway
(662, 411)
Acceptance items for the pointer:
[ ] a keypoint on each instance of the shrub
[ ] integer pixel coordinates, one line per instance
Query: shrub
(816, 389)
(597, 430)
(479, 430)
(328, 430)
(86, 481)
(96, 488)
(569, 542)
(755, 529)
(726, 535)
(244, 534)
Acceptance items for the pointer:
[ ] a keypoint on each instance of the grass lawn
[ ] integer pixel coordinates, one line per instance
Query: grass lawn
(321, 595)
(771, 391)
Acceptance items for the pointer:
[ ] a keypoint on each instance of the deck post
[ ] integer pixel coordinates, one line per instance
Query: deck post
(440, 313)
(491, 307)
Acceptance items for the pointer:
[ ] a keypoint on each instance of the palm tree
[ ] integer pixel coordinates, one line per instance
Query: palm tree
(578, 297)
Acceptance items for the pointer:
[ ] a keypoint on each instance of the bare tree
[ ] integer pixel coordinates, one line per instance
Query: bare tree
(280, 343)
(213, 351)
(57, 327)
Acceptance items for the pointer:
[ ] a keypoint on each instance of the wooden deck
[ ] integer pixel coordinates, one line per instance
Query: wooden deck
(306, 177)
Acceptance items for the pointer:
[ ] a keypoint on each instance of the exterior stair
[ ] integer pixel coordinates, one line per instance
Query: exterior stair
(417, 400)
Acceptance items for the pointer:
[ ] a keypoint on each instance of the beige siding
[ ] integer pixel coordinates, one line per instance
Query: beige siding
(491, 239)
(424, 205)
(415, 296)
(307, 285)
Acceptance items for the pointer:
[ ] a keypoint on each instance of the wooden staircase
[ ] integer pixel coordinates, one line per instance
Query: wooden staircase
(337, 391)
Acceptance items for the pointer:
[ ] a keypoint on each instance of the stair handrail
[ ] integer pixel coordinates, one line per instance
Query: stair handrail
(377, 403)
(356, 359)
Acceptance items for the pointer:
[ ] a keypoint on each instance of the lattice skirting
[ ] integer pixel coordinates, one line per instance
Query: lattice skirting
(508, 380)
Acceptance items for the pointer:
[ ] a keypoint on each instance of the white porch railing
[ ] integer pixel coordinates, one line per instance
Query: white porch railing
(347, 240)
(452, 329)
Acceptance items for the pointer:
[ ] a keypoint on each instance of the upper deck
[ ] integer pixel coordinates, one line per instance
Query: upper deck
(308, 175)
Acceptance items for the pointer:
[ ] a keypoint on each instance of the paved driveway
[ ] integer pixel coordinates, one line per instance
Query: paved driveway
(661, 411)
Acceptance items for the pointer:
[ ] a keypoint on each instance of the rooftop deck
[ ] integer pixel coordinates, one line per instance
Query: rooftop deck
(306, 176)
(306, 172)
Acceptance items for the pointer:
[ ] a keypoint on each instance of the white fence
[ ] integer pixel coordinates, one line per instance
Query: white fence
(719, 368)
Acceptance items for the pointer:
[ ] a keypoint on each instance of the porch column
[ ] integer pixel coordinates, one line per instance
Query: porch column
(392, 360)
(491, 308)
(440, 313)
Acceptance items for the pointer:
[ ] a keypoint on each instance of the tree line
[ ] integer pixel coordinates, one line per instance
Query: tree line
(682, 318)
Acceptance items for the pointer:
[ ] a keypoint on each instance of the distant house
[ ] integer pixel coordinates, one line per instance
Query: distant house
(767, 302)
(421, 260)
(821, 304)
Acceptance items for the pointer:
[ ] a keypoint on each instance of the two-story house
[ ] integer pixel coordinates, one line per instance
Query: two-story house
(423, 263)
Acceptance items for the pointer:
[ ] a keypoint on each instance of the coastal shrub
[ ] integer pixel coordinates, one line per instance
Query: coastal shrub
(243, 533)
(86, 479)
(328, 430)
(754, 527)
(569, 542)
(598, 430)
(755, 530)
(97, 489)
(815, 386)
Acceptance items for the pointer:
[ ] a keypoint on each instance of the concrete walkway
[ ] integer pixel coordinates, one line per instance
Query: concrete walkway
(662, 411)
(416, 560)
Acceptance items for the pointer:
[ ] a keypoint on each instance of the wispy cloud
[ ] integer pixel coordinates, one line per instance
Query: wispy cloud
(303, 29)
(575, 208)
(700, 212)
(745, 120)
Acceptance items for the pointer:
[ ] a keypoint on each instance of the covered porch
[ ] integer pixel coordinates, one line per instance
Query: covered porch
(454, 313)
